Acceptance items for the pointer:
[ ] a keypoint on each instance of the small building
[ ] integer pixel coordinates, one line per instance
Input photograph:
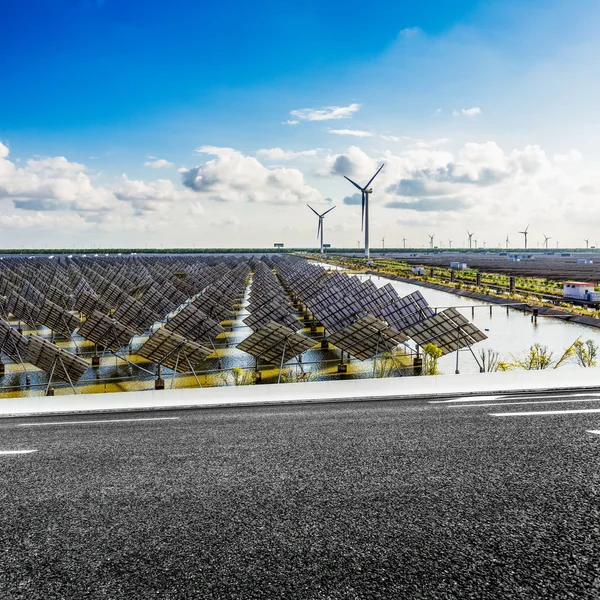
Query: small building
(585, 261)
(458, 266)
(578, 290)
(418, 270)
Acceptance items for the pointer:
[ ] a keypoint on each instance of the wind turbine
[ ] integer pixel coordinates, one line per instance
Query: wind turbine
(320, 227)
(587, 242)
(546, 238)
(507, 242)
(525, 234)
(431, 240)
(365, 191)
(449, 243)
(470, 239)
(383, 242)
(404, 242)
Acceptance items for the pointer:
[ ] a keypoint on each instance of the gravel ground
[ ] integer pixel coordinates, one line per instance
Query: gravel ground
(378, 500)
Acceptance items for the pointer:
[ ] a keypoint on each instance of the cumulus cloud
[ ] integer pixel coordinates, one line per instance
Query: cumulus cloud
(280, 154)
(44, 221)
(390, 138)
(353, 200)
(467, 112)
(153, 196)
(160, 163)
(53, 193)
(234, 177)
(572, 156)
(325, 114)
(354, 132)
(290, 122)
(51, 184)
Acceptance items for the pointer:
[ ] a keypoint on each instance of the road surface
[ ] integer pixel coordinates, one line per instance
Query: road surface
(489, 497)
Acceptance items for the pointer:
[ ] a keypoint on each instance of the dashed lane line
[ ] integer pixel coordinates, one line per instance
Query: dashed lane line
(546, 412)
(522, 403)
(47, 423)
(465, 399)
(7, 452)
(509, 397)
(594, 431)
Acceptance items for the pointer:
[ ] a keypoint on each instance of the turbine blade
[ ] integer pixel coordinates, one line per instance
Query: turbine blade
(371, 180)
(353, 183)
(328, 211)
(311, 208)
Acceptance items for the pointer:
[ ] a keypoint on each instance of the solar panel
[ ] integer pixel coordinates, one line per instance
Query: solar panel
(192, 323)
(54, 360)
(22, 309)
(54, 317)
(12, 343)
(367, 338)
(87, 302)
(135, 314)
(173, 351)
(271, 341)
(104, 331)
(448, 330)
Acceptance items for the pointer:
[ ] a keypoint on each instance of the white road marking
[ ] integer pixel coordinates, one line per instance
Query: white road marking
(99, 421)
(17, 451)
(466, 399)
(507, 397)
(546, 412)
(519, 403)
(597, 432)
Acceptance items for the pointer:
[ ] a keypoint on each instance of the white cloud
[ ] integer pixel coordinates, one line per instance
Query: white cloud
(234, 177)
(153, 196)
(467, 112)
(410, 32)
(325, 114)
(290, 122)
(44, 221)
(4, 151)
(280, 154)
(572, 156)
(354, 132)
(229, 221)
(161, 163)
(390, 138)
(52, 183)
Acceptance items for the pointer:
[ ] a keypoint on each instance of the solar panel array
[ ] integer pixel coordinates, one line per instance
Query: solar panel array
(448, 330)
(125, 296)
(367, 338)
(173, 351)
(274, 343)
(59, 363)
(12, 343)
(337, 300)
(268, 301)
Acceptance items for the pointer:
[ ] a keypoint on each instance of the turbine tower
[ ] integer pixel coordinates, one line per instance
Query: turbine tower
(431, 240)
(546, 238)
(470, 239)
(365, 191)
(404, 242)
(383, 242)
(587, 242)
(507, 242)
(320, 227)
(525, 235)
(449, 243)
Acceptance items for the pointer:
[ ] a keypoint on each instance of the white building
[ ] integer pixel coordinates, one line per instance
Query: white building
(579, 290)
(460, 266)
(418, 270)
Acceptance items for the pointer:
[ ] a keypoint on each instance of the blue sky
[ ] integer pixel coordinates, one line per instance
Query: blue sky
(484, 112)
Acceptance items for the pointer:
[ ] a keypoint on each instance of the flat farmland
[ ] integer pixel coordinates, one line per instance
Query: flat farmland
(543, 266)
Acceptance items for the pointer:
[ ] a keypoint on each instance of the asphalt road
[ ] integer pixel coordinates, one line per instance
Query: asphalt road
(390, 499)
